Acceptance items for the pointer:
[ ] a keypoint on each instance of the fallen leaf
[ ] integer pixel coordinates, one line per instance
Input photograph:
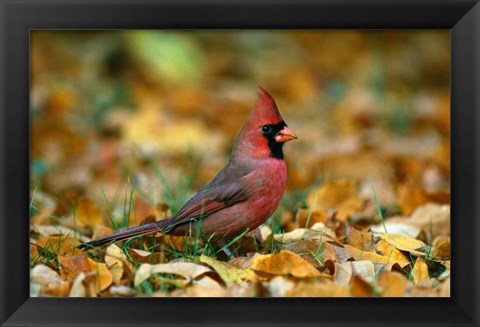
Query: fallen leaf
(228, 272)
(420, 271)
(360, 288)
(397, 226)
(78, 288)
(364, 269)
(49, 281)
(432, 218)
(117, 262)
(325, 288)
(284, 263)
(101, 231)
(390, 251)
(412, 245)
(340, 196)
(59, 245)
(72, 266)
(371, 256)
(187, 270)
(88, 214)
(358, 239)
(343, 274)
(279, 286)
(141, 256)
(391, 284)
(311, 217)
(442, 251)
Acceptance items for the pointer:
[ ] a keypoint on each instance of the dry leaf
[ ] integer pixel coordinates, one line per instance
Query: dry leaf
(360, 288)
(364, 269)
(71, 267)
(391, 284)
(117, 262)
(412, 245)
(60, 245)
(142, 256)
(358, 239)
(442, 251)
(326, 288)
(390, 251)
(420, 271)
(279, 286)
(343, 274)
(88, 214)
(187, 270)
(341, 196)
(432, 218)
(284, 263)
(101, 231)
(228, 272)
(48, 281)
(371, 256)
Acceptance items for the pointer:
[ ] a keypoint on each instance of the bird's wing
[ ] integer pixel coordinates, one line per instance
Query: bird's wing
(225, 190)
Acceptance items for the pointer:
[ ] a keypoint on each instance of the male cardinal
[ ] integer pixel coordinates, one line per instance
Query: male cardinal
(243, 195)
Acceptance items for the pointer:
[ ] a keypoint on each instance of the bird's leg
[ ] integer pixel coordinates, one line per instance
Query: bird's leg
(228, 253)
(223, 245)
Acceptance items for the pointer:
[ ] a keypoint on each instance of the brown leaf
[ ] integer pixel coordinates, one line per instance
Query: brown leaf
(442, 251)
(88, 214)
(358, 239)
(60, 245)
(360, 288)
(311, 216)
(284, 263)
(142, 256)
(391, 284)
(340, 196)
(101, 231)
(72, 267)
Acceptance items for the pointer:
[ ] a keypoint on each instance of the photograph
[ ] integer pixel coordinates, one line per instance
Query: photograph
(240, 163)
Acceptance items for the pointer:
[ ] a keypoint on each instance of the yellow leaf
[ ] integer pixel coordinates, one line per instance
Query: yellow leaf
(412, 245)
(420, 271)
(341, 196)
(116, 262)
(390, 251)
(284, 263)
(228, 273)
(371, 256)
(103, 276)
(188, 270)
(88, 214)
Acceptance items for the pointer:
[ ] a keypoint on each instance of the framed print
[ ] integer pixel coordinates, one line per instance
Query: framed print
(247, 163)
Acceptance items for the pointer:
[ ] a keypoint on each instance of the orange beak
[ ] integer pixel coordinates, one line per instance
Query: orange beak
(285, 135)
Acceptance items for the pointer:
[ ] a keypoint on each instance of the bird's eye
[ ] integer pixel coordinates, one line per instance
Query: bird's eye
(266, 129)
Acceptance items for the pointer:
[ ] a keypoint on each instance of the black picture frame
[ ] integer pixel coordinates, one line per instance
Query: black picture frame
(18, 17)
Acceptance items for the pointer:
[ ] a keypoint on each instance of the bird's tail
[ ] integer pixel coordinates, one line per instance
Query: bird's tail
(151, 228)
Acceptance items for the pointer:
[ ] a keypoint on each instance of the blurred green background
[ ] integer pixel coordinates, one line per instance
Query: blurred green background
(157, 108)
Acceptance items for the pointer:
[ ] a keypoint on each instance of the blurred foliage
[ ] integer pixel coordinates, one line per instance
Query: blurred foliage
(140, 120)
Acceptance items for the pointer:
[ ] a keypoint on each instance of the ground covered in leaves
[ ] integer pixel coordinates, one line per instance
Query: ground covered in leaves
(126, 126)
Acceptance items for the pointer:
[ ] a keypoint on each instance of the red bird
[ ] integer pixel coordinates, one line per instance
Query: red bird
(243, 195)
